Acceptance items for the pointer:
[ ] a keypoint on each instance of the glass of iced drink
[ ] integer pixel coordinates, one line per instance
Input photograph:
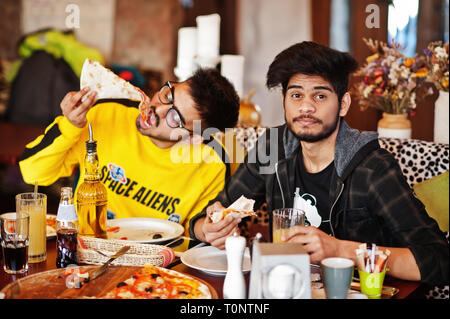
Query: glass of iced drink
(14, 241)
(284, 219)
(35, 205)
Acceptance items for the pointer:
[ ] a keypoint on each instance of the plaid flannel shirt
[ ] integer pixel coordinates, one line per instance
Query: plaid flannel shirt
(370, 199)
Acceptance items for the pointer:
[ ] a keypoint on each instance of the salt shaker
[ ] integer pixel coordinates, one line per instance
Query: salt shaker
(234, 285)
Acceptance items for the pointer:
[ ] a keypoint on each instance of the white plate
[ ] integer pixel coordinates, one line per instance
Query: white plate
(51, 231)
(212, 260)
(143, 230)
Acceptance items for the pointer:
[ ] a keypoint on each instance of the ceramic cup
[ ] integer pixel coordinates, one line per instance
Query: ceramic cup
(337, 274)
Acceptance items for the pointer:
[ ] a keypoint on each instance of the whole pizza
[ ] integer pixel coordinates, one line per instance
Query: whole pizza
(151, 282)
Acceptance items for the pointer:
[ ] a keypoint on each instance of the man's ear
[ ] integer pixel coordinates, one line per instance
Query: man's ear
(282, 100)
(345, 104)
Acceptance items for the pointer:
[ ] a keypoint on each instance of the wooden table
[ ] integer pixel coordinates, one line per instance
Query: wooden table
(407, 288)
(13, 138)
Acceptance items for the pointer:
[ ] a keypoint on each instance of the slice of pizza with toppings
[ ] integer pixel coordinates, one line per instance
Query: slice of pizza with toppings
(241, 208)
(109, 85)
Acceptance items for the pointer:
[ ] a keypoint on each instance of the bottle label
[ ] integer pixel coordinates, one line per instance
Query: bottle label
(66, 213)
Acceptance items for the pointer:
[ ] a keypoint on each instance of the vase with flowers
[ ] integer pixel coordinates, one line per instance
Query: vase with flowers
(437, 60)
(389, 83)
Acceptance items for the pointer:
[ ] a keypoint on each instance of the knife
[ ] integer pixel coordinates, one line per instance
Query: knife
(102, 269)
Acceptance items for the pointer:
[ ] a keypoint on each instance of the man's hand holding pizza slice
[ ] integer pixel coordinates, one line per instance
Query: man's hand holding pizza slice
(75, 108)
(222, 222)
(98, 82)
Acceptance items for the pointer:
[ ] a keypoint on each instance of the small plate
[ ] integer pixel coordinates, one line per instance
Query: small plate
(143, 230)
(212, 260)
(51, 226)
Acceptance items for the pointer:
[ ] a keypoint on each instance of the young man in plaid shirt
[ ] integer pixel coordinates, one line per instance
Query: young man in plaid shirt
(360, 191)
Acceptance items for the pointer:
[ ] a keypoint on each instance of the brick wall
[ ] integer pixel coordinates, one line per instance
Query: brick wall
(145, 34)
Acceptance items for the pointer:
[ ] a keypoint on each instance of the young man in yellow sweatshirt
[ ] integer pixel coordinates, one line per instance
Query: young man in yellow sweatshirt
(163, 167)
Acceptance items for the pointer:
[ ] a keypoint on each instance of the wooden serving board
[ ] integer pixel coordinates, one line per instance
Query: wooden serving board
(51, 284)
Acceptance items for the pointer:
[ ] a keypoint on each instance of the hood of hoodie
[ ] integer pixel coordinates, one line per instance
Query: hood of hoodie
(349, 143)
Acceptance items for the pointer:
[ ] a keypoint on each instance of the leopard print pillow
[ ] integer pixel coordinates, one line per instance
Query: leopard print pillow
(418, 160)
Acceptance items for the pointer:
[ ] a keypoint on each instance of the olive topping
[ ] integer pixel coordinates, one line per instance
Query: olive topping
(154, 276)
(121, 284)
(183, 293)
(149, 289)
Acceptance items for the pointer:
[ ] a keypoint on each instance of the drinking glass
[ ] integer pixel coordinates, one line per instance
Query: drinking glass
(284, 219)
(14, 241)
(35, 205)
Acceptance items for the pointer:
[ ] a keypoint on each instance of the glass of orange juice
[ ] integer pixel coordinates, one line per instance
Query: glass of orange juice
(35, 205)
(284, 219)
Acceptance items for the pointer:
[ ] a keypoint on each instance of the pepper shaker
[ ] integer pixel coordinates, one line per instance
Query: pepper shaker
(234, 285)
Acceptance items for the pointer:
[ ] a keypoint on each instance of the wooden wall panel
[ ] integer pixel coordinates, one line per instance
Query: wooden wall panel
(320, 11)
(364, 120)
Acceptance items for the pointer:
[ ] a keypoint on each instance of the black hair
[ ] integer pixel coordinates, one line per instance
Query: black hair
(215, 99)
(311, 58)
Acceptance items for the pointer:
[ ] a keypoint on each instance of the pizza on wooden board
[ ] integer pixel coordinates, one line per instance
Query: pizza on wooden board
(151, 282)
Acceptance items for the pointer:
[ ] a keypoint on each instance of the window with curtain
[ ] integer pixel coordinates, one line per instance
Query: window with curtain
(402, 24)
(340, 25)
(445, 19)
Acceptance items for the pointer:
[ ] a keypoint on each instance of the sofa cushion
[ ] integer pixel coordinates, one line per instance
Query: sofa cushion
(433, 193)
(419, 160)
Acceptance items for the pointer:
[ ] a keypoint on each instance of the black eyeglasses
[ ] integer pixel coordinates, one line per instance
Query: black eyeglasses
(174, 118)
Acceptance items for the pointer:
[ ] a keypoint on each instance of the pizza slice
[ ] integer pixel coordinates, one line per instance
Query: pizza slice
(109, 85)
(241, 208)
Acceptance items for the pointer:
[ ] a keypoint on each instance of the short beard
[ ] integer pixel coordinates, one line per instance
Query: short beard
(311, 138)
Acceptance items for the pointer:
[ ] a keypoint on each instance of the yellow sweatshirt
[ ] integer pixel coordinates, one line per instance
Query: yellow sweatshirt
(141, 179)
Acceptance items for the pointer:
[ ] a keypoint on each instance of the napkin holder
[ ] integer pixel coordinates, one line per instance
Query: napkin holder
(266, 256)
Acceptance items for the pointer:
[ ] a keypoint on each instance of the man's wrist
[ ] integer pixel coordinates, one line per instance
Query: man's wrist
(198, 232)
(346, 249)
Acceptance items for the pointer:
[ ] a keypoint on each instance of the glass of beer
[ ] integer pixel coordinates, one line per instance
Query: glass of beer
(35, 205)
(14, 241)
(284, 219)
